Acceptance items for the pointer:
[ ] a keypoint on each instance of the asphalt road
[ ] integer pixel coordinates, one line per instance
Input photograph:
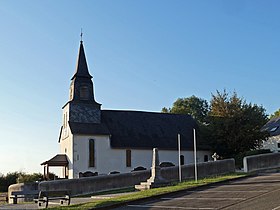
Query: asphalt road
(253, 193)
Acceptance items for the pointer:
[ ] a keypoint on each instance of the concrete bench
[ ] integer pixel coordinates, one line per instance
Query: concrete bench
(23, 194)
(45, 196)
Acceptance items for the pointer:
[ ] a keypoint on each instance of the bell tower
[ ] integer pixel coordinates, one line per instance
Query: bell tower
(82, 107)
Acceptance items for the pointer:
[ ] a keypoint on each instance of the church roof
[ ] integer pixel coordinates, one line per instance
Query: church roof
(141, 130)
(89, 128)
(81, 68)
(136, 129)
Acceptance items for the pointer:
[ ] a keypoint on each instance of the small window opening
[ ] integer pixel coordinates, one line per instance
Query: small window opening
(128, 158)
(274, 129)
(91, 153)
(84, 93)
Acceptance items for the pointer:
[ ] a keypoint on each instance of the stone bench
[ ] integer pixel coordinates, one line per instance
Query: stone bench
(23, 194)
(45, 196)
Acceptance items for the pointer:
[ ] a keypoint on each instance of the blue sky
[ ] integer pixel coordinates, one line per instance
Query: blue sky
(143, 55)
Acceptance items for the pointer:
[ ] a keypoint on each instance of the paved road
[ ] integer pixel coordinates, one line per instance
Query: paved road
(32, 205)
(254, 193)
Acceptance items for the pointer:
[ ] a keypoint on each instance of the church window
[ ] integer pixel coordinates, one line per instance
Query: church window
(182, 159)
(66, 120)
(91, 153)
(128, 158)
(84, 93)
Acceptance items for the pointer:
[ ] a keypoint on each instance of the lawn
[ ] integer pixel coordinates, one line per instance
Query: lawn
(152, 192)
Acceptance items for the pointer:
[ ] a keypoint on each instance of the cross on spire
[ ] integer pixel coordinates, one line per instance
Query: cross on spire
(81, 35)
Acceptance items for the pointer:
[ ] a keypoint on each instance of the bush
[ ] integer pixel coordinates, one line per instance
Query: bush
(19, 177)
(6, 181)
(25, 178)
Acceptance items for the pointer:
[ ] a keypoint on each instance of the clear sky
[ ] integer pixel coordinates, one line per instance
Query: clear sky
(143, 55)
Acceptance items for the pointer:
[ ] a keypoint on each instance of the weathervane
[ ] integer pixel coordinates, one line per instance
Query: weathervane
(81, 34)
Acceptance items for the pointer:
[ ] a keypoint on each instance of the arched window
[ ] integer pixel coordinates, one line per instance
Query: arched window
(91, 153)
(128, 158)
(182, 159)
(84, 93)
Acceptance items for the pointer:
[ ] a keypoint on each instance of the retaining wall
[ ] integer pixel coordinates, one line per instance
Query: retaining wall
(87, 185)
(261, 162)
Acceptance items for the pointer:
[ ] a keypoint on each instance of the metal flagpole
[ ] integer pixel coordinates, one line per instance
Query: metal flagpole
(179, 154)
(194, 148)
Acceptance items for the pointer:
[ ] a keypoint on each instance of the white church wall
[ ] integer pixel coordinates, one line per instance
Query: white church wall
(108, 159)
(66, 142)
(66, 147)
(81, 153)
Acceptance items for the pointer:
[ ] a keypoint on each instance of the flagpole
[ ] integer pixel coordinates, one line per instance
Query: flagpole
(194, 148)
(179, 157)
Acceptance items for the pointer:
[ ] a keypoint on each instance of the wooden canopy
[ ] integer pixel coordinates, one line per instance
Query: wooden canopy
(58, 160)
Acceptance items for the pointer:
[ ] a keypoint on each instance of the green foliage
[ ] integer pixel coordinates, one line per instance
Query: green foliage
(235, 124)
(275, 114)
(18, 177)
(25, 178)
(196, 107)
(6, 181)
(230, 125)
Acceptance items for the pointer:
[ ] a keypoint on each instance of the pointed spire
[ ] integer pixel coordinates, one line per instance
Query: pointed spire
(81, 68)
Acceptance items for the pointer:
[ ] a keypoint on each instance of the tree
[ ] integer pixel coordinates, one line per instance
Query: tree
(275, 114)
(196, 107)
(235, 124)
(230, 125)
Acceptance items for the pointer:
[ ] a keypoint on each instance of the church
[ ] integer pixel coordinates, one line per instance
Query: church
(93, 140)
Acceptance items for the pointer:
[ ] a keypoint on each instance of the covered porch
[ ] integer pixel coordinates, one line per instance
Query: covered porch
(60, 160)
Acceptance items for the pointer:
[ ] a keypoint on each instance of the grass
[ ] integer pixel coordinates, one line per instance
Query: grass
(152, 192)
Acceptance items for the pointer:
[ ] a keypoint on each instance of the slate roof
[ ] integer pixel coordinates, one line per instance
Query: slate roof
(272, 126)
(81, 68)
(89, 128)
(58, 160)
(141, 130)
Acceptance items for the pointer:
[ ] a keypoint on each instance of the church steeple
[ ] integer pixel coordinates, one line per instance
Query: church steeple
(81, 68)
(82, 107)
(81, 88)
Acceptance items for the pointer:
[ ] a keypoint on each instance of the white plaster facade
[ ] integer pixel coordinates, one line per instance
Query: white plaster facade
(108, 159)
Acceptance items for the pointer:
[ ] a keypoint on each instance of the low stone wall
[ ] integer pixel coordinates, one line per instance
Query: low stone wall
(25, 187)
(204, 169)
(87, 185)
(261, 162)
